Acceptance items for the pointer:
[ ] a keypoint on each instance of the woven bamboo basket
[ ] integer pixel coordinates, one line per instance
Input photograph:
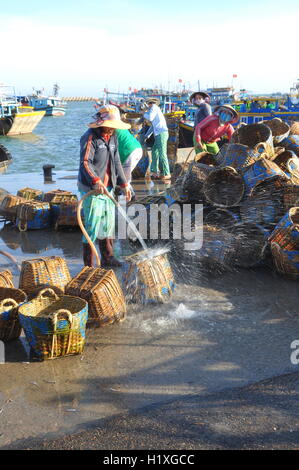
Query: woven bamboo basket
(292, 143)
(6, 279)
(33, 215)
(237, 156)
(252, 135)
(260, 171)
(67, 215)
(280, 129)
(133, 118)
(149, 199)
(147, 279)
(212, 257)
(293, 169)
(224, 187)
(176, 194)
(206, 158)
(101, 289)
(3, 193)
(10, 300)
(249, 244)
(29, 193)
(290, 196)
(54, 326)
(294, 130)
(194, 179)
(9, 205)
(41, 272)
(286, 232)
(216, 248)
(58, 196)
(222, 218)
(282, 159)
(286, 262)
(261, 209)
(179, 170)
(289, 163)
(265, 203)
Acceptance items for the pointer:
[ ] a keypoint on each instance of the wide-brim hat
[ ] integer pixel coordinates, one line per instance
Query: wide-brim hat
(109, 116)
(227, 107)
(153, 100)
(201, 93)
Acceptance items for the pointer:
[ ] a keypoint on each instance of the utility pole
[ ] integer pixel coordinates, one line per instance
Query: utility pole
(198, 85)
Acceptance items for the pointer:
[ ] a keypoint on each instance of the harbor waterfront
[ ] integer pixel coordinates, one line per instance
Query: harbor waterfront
(55, 140)
(219, 333)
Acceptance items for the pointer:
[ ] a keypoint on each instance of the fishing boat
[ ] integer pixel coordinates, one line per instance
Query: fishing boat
(52, 105)
(257, 109)
(16, 119)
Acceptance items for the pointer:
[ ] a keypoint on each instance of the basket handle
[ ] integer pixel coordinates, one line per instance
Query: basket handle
(8, 303)
(65, 314)
(49, 291)
(260, 148)
(292, 171)
(22, 226)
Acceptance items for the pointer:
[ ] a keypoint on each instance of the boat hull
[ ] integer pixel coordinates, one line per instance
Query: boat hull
(55, 111)
(186, 132)
(253, 118)
(21, 123)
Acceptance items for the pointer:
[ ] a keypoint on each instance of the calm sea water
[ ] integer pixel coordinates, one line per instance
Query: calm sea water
(55, 140)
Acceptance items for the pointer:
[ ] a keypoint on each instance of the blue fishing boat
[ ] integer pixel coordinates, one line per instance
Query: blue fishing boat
(259, 109)
(52, 105)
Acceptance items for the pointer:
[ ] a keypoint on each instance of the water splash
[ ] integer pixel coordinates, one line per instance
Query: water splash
(182, 312)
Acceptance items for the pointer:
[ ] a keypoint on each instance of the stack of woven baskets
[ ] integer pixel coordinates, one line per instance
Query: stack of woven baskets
(53, 309)
(32, 209)
(247, 191)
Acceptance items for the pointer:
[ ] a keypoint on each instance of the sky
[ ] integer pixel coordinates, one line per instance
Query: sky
(88, 45)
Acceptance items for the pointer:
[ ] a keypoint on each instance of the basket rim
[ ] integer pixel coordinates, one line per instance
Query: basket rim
(39, 317)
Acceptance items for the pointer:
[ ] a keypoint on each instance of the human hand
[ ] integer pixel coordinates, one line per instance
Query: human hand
(127, 194)
(198, 147)
(99, 187)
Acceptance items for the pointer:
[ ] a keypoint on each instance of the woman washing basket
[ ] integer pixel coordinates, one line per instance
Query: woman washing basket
(100, 168)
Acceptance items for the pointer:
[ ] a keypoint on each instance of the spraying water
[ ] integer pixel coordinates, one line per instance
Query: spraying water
(132, 227)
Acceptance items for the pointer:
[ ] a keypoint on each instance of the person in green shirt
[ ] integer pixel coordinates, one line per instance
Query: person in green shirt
(130, 152)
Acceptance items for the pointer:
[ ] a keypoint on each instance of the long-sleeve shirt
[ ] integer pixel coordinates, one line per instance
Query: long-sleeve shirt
(155, 116)
(202, 112)
(209, 130)
(99, 161)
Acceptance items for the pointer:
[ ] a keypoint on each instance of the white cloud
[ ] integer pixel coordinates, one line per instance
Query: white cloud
(83, 60)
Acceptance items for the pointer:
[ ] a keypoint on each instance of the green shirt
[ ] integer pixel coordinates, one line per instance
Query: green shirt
(126, 144)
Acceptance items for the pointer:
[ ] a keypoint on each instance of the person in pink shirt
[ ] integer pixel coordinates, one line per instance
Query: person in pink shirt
(210, 130)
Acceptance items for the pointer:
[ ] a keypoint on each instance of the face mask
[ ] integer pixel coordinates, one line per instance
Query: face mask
(198, 102)
(225, 117)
